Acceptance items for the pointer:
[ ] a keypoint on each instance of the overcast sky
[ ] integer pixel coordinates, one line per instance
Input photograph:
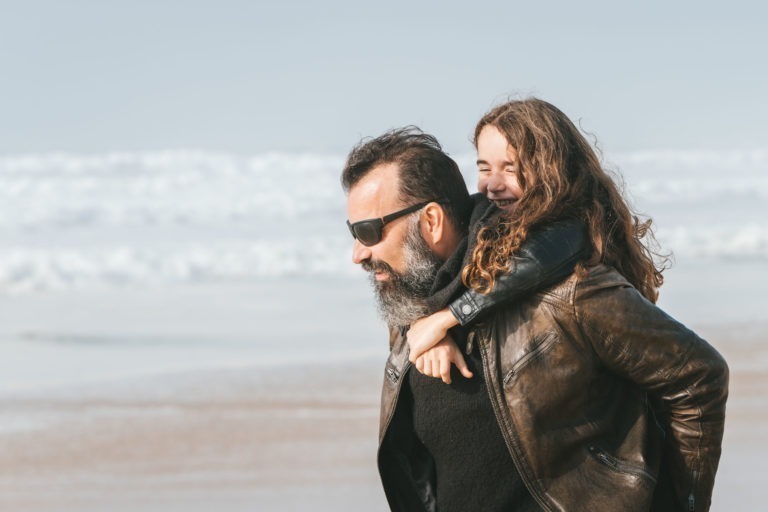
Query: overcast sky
(255, 76)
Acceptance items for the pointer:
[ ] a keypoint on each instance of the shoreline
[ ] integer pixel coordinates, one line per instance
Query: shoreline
(288, 437)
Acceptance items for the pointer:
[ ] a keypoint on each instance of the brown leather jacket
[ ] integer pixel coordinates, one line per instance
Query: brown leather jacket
(605, 403)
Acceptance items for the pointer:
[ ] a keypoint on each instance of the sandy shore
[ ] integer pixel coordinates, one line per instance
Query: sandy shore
(287, 438)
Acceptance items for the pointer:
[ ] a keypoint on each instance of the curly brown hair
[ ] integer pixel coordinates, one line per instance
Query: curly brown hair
(562, 177)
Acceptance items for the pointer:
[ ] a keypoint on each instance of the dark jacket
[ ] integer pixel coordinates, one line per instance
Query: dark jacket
(605, 402)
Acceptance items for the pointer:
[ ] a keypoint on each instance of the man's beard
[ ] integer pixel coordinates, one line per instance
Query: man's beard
(402, 299)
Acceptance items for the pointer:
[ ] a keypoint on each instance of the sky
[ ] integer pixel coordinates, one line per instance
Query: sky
(251, 77)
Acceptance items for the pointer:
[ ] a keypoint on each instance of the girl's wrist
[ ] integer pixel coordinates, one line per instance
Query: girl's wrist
(447, 319)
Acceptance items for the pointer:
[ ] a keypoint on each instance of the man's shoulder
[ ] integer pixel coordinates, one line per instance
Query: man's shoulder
(597, 278)
(582, 283)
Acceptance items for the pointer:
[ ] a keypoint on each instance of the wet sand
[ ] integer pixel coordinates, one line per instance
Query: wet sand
(291, 438)
(287, 438)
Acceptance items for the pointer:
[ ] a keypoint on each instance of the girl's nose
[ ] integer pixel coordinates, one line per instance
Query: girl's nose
(495, 183)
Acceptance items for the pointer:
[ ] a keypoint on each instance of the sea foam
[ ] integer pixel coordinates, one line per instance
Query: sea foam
(124, 219)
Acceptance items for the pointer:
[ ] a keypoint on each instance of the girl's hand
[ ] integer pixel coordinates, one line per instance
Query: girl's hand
(427, 332)
(436, 362)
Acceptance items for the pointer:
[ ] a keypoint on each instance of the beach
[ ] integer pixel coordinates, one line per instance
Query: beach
(291, 438)
(180, 332)
(227, 440)
(244, 433)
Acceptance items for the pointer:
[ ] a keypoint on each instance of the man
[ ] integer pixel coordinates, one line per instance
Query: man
(553, 419)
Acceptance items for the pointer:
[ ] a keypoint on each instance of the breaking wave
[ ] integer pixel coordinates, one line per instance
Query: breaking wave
(121, 219)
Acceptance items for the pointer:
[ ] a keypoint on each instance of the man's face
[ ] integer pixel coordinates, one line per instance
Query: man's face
(401, 264)
(375, 196)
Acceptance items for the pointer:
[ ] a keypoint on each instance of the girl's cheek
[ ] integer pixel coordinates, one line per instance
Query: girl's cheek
(482, 185)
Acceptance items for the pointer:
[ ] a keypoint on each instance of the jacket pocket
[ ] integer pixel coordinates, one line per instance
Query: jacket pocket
(539, 347)
(618, 465)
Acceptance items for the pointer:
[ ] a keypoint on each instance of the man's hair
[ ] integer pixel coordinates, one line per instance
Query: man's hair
(425, 171)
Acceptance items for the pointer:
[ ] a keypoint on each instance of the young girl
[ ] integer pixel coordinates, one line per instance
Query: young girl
(559, 208)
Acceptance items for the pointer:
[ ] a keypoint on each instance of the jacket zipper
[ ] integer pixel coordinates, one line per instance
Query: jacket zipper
(547, 342)
(504, 432)
(618, 465)
(692, 496)
(394, 376)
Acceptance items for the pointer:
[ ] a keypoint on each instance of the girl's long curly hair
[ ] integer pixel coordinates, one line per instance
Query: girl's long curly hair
(562, 176)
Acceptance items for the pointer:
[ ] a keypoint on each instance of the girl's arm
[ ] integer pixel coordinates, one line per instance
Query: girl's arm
(436, 362)
(547, 256)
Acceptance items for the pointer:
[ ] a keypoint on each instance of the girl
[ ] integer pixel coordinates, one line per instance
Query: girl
(543, 175)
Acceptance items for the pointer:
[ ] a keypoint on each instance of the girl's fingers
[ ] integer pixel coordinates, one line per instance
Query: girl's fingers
(461, 364)
(445, 370)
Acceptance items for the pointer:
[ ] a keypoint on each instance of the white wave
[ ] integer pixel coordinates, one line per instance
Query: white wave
(695, 162)
(123, 219)
(745, 242)
(173, 187)
(692, 176)
(195, 188)
(25, 269)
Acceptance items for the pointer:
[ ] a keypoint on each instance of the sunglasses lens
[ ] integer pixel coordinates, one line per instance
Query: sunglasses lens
(369, 233)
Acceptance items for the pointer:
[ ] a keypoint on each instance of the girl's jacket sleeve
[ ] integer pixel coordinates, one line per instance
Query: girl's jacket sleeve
(547, 256)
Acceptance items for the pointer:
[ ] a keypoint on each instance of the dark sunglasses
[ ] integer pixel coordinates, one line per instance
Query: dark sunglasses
(368, 232)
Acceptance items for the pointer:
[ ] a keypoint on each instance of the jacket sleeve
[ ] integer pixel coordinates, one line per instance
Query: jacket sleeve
(680, 371)
(545, 258)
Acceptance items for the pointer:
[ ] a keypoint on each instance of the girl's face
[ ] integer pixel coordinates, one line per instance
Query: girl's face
(498, 167)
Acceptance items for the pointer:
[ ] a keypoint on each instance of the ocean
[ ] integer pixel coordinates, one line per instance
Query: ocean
(133, 219)
(195, 257)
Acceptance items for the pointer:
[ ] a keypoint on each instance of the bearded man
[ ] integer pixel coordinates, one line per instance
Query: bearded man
(510, 437)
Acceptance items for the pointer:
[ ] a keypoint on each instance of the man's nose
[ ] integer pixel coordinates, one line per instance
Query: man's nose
(360, 253)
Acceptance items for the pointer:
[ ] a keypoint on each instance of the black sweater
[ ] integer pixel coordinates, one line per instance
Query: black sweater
(457, 425)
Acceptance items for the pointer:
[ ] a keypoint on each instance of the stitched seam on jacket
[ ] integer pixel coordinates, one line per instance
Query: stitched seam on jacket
(699, 432)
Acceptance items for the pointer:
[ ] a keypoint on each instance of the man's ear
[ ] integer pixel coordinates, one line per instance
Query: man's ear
(433, 224)
(438, 232)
